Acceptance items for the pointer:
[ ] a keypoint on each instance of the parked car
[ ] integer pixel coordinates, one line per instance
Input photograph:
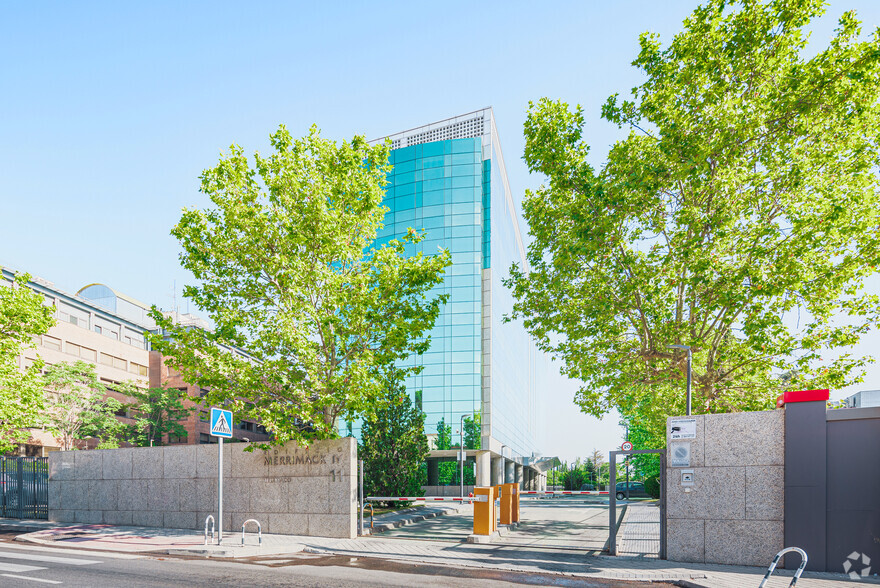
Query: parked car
(585, 487)
(636, 490)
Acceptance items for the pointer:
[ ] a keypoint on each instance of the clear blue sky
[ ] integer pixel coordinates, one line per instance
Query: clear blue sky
(109, 112)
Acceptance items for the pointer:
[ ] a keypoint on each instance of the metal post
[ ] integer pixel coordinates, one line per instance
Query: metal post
(612, 503)
(361, 491)
(689, 383)
(662, 553)
(460, 455)
(220, 491)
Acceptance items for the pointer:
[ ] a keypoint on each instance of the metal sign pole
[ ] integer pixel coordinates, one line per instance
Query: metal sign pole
(361, 487)
(612, 503)
(220, 491)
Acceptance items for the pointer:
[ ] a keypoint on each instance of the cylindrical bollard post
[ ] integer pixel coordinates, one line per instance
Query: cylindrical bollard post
(484, 512)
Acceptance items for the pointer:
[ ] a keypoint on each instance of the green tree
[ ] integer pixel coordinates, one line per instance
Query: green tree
(444, 435)
(739, 216)
(473, 431)
(75, 405)
(393, 444)
(23, 316)
(289, 273)
(158, 412)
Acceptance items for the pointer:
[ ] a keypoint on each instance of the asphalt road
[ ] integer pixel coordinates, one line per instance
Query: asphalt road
(23, 565)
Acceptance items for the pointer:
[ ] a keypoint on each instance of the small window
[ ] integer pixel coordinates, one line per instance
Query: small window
(203, 392)
(98, 329)
(88, 354)
(178, 438)
(138, 369)
(51, 342)
(113, 361)
(203, 416)
(72, 348)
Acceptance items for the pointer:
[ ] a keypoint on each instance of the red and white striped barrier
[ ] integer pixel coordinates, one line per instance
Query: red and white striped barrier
(427, 498)
(542, 492)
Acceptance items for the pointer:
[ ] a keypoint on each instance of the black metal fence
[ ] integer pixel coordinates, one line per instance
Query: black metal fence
(24, 487)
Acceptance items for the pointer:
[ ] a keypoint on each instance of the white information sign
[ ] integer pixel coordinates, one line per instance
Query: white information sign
(683, 429)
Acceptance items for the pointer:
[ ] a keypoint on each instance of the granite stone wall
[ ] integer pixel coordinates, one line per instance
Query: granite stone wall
(733, 512)
(290, 490)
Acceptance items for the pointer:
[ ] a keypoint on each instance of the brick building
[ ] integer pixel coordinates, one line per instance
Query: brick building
(106, 329)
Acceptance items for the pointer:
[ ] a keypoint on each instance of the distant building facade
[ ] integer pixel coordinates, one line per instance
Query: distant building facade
(106, 329)
(863, 399)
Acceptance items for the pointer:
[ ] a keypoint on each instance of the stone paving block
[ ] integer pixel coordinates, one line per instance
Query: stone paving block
(342, 495)
(88, 464)
(331, 525)
(717, 493)
(685, 540)
(178, 462)
(237, 494)
(206, 494)
(310, 495)
(180, 520)
(745, 438)
(170, 494)
(75, 494)
(747, 543)
(61, 515)
(90, 517)
(54, 494)
(117, 517)
(61, 465)
(147, 463)
(765, 493)
(289, 524)
(247, 464)
(103, 495)
(116, 464)
(188, 497)
(270, 497)
(147, 518)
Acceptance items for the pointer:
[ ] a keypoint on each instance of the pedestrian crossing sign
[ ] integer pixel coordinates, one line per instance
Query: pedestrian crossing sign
(221, 423)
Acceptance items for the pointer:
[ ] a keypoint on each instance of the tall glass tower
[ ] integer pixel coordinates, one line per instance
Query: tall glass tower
(449, 179)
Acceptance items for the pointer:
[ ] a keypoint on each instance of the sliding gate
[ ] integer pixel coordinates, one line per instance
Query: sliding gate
(24, 487)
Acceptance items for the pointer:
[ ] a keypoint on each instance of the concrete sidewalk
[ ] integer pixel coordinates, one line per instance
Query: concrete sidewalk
(502, 557)
(396, 519)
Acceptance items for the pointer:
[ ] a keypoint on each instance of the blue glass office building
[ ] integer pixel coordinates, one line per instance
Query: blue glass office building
(449, 179)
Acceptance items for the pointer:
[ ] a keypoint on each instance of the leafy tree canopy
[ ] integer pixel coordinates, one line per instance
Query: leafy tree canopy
(287, 270)
(739, 216)
(393, 444)
(23, 316)
(157, 412)
(75, 406)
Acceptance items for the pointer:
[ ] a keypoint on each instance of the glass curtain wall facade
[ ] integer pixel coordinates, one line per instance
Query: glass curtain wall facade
(448, 178)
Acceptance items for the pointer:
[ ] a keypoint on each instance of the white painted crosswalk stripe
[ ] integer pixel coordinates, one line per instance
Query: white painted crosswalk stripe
(48, 558)
(41, 580)
(8, 567)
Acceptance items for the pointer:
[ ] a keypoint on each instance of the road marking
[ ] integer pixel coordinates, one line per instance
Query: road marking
(8, 567)
(71, 549)
(31, 579)
(48, 558)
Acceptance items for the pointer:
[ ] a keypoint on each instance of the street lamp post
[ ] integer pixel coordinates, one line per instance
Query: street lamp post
(460, 455)
(688, 348)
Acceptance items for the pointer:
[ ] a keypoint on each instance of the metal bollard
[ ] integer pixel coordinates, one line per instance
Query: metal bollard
(370, 504)
(210, 518)
(797, 574)
(259, 530)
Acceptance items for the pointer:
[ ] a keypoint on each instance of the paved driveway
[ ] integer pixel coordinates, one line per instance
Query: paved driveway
(568, 523)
